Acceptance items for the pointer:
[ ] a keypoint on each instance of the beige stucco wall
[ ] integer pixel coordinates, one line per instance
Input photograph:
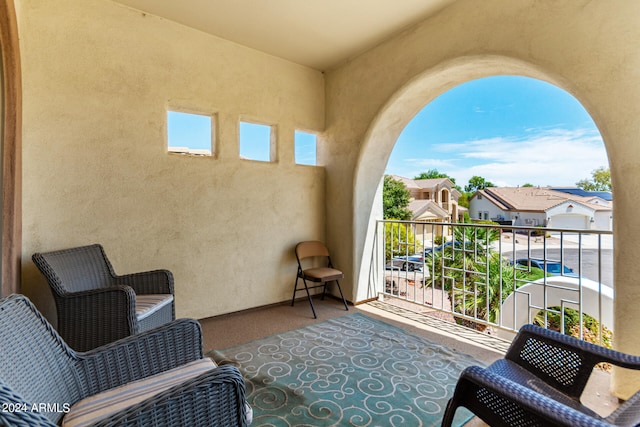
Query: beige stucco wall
(586, 47)
(98, 77)
(97, 80)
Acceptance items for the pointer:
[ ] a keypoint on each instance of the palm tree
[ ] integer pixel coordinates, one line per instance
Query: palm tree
(477, 279)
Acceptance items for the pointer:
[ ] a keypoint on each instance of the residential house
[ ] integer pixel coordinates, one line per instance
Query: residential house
(598, 196)
(432, 200)
(541, 206)
(87, 85)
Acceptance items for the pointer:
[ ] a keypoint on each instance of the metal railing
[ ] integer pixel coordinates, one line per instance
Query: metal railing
(500, 277)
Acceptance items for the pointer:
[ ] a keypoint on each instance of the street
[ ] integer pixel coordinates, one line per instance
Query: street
(592, 268)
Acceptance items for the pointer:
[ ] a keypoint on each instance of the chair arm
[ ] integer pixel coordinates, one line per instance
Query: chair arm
(562, 361)
(500, 402)
(139, 356)
(215, 398)
(88, 319)
(16, 411)
(148, 282)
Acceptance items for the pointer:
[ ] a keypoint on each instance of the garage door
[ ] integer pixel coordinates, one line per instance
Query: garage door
(568, 221)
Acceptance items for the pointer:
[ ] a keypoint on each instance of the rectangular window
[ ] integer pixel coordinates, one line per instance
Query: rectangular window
(305, 148)
(256, 142)
(189, 133)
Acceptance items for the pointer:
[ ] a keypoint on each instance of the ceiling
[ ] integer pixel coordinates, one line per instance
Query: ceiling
(315, 33)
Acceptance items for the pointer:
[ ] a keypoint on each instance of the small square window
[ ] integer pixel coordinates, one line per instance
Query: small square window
(256, 142)
(305, 148)
(189, 133)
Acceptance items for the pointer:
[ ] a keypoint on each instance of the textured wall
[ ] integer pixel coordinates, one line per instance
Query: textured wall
(585, 47)
(98, 78)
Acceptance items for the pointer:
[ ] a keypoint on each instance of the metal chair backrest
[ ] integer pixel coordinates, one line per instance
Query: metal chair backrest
(311, 248)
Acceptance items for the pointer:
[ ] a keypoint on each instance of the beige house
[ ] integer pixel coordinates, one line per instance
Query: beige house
(536, 206)
(432, 201)
(87, 85)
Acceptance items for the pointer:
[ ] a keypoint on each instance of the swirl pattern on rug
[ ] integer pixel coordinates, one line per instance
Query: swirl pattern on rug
(348, 371)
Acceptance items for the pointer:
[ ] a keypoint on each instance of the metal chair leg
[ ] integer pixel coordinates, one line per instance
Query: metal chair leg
(295, 289)
(344, 301)
(306, 288)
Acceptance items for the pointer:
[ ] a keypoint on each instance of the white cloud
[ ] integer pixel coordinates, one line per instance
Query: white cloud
(550, 157)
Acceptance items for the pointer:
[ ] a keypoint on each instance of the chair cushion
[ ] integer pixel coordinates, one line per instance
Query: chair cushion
(102, 405)
(148, 304)
(323, 274)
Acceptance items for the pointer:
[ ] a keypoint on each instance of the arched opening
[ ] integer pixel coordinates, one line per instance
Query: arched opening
(393, 118)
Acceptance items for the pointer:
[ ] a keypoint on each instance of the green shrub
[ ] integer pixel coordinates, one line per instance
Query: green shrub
(591, 327)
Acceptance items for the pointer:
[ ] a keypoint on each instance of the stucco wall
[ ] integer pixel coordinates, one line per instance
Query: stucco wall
(585, 47)
(97, 80)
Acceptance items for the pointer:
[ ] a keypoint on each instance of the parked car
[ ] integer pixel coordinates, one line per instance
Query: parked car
(440, 247)
(468, 247)
(554, 268)
(406, 263)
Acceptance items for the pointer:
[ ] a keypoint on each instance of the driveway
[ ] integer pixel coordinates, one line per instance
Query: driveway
(592, 268)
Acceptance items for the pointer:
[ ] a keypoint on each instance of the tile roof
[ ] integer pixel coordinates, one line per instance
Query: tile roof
(419, 207)
(422, 184)
(533, 199)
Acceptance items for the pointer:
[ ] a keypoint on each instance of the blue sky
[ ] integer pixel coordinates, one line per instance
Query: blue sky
(194, 131)
(509, 130)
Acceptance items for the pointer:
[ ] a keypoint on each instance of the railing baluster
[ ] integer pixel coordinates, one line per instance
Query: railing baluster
(463, 277)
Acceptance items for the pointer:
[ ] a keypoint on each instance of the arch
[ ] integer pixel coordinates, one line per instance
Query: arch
(393, 117)
(10, 144)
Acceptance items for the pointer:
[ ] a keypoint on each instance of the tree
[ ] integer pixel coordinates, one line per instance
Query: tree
(527, 185)
(477, 183)
(399, 240)
(433, 173)
(463, 200)
(395, 199)
(601, 180)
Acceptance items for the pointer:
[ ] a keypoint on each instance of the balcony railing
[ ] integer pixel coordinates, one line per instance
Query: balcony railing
(498, 278)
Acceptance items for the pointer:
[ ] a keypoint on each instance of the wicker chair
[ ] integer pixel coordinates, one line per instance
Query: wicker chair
(43, 382)
(94, 305)
(539, 383)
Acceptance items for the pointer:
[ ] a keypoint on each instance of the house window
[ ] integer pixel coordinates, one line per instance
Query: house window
(305, 148)
(189, 133)
(257, 142)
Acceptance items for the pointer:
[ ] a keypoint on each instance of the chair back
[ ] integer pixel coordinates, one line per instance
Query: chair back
(77, 269)
(311, 248)
(37, 366)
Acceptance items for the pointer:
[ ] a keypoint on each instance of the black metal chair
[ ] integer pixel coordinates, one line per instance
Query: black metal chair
(156, 378)
(315, 250)
(94, 305)
(540, 382)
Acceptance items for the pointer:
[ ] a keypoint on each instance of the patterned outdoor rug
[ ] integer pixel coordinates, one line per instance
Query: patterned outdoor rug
(348, 371)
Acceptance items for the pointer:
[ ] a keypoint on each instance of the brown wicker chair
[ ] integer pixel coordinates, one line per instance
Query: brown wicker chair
(43, 382)
(540, 382)
(323, 275)
(94, 305)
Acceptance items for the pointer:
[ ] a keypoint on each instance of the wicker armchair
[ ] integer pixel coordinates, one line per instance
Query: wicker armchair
(539, 383)
(43, 382)
(94, 305)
